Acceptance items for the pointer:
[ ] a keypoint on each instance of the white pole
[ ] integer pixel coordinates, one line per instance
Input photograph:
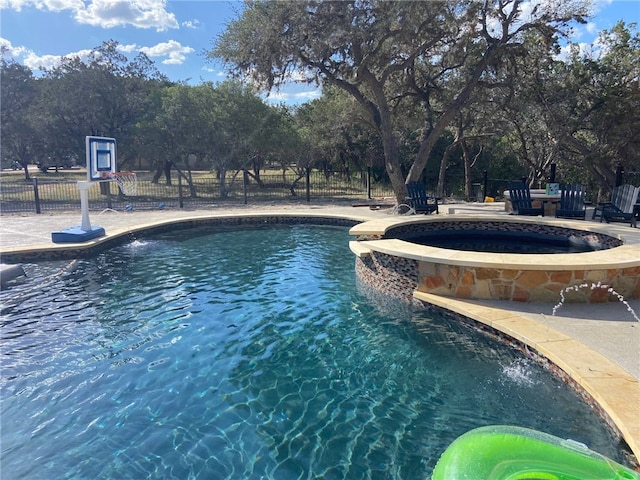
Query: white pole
(84, 204)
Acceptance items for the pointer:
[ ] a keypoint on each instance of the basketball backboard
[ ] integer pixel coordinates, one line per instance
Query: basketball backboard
(101, 158)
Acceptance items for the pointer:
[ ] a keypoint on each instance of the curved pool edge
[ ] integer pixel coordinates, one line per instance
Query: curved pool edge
(113, 237)
(599, 386)
(616, 391)
(627, 255)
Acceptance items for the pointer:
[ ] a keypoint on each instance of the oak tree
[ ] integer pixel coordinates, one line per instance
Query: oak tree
(439, 53)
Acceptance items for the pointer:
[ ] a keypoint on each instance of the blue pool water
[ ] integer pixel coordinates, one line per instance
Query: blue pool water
(250, 354)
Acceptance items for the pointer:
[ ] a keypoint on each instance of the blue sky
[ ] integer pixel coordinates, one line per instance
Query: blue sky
(174, 34)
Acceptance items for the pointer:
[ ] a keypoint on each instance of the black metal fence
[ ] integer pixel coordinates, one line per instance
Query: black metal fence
(41, 196)
(46, 195)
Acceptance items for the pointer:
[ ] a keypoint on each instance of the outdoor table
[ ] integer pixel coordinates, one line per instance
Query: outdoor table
(538, 197)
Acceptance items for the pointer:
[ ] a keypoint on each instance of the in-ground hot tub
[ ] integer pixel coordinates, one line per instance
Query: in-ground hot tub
(388, 259)
(502, 237)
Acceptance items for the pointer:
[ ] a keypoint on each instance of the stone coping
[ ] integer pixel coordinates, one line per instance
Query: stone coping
(616, 391)
(624, 256)
(121, 235)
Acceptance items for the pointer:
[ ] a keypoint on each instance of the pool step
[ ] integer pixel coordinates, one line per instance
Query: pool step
(359, 249)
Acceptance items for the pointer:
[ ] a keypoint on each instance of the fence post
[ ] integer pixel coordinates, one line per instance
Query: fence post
(619, 174)
(36, 195)
(368, 183)
(552, 174)
(180, 200)
(485, 181)
(244, 186)
(308, 182)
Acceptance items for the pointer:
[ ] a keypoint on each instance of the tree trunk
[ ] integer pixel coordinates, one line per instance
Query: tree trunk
(157, 175)
(389, 147)
(443, 169)
(223, 182)
(258, 179)
(392, 164)
(380, 115)
(256, 167)
(431, 136)
(167, 172)
(466, 155)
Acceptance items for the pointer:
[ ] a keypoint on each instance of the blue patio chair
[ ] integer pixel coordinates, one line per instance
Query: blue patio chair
(573, 202)
(621, 207)
(419, 200)
(520, 197)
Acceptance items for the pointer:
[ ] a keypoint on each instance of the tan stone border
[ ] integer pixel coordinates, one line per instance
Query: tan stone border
(53, 251)
(615, 390)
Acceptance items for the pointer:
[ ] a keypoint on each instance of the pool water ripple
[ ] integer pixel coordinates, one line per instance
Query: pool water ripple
(249, 354)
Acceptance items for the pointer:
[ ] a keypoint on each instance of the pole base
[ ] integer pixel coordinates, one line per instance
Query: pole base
(76, 235)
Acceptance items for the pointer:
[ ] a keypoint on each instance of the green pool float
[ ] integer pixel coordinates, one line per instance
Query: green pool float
(516, 453)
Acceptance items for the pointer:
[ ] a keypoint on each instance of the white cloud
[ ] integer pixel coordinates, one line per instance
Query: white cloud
(115, 13)
(566, 50)
(592, 28)
(599, 5)
(298, 97)
(27, 57)
(132, 47)
(530, 10)
(10, 50)
(217, 71)
(298, 75)
(191, 24)
(593, 50)
(106, 13)
(60, 5)
(174, 51)
(41, 62)
(52, 5)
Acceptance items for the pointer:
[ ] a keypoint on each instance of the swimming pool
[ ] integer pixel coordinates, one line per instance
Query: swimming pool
(250, 353)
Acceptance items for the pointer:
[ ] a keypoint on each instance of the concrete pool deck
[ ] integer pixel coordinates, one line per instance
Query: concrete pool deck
(597, 345)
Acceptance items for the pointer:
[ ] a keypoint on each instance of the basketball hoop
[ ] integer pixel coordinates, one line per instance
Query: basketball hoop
(127, 182)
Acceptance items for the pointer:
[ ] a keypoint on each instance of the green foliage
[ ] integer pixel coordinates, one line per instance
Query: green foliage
(431, 91)
(589, 106)
(336, 134)
(17, 136)
(577, 112)
(435, 57)
(105, 95)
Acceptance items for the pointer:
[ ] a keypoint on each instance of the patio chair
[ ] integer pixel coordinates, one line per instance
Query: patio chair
(621, 206)
(520, 197)
(573, 202)
(419, 200)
